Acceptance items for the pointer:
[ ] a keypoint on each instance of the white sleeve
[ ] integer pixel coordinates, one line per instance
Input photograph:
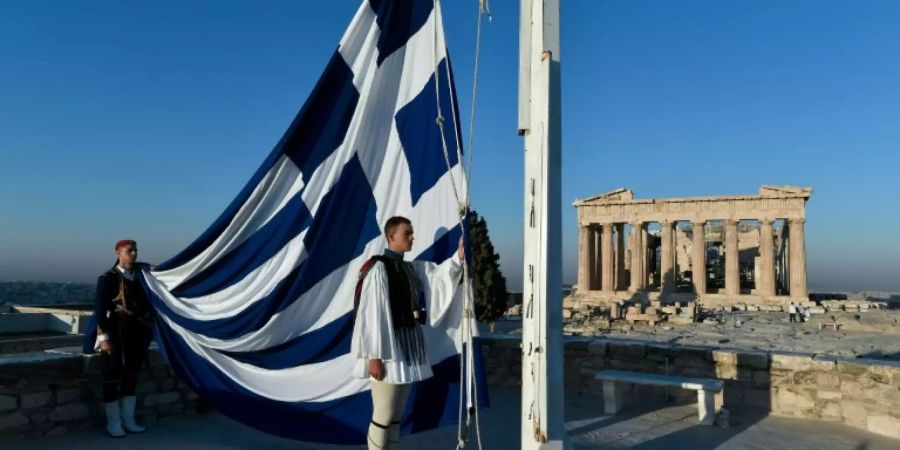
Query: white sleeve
(373, 332)
(440, 283)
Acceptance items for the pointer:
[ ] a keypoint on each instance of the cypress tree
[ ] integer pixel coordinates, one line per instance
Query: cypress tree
(489, 283)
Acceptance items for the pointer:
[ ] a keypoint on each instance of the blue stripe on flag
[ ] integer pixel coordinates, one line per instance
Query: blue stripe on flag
(316, 131)
(345, 222)
(398, 20)
(322, 123)
(333, 339)
(324, 344)
(432, 403)
(423, 147)
(293, 218)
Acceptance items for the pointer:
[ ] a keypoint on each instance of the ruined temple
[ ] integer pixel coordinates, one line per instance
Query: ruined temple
(718, 249)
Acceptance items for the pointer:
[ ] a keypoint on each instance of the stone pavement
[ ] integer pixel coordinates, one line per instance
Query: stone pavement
(669, 427)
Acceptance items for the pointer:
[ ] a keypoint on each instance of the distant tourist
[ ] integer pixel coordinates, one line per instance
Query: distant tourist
(792, 312)
(122, 312)
(394, 299)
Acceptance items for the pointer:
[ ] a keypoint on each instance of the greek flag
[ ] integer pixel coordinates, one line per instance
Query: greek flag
(256, 314)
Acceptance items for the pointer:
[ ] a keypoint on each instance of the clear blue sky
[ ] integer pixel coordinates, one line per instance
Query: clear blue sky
(144, 119)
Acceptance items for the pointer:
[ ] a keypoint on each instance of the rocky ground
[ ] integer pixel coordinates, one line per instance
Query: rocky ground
(870, 334)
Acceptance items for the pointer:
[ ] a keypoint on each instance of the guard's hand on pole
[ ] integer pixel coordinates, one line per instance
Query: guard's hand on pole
(461, 251)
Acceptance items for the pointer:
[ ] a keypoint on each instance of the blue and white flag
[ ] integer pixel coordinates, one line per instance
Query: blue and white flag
(256, 314)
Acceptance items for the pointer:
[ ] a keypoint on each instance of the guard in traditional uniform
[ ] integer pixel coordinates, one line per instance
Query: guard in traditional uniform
(122, 312)
(394, 299)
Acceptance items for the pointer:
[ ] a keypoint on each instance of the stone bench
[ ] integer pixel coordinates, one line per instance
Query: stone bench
(834, 326)
(710, 395)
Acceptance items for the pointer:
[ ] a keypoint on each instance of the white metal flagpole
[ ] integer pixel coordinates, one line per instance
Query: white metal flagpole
(539, 123)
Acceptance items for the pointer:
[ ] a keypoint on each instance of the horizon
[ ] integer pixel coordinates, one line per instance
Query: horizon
(166, 109)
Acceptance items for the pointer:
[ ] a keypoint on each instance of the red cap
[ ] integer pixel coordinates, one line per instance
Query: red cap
(125, 242)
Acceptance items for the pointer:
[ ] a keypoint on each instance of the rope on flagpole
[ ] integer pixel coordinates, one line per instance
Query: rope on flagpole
(468, 383)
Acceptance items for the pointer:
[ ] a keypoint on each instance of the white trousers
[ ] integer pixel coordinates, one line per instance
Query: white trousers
(389, 402)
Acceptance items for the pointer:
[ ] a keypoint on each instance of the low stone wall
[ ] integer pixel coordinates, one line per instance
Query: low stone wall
(9, 345)
(857, 392)
(47, 394)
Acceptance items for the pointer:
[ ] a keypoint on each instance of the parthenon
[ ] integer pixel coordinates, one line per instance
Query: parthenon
(703, 248)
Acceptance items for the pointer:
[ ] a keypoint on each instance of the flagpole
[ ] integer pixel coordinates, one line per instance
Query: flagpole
(539, 123)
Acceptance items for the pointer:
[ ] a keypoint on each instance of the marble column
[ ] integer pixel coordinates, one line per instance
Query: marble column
(606, 258)
(592, 258)
(766, 283)
(621, 282)
(667, 263)
(598, 263)
(698, 268)
(636, 256)
(797, 258)
(645, 257)
(583, 256)
(732, 259)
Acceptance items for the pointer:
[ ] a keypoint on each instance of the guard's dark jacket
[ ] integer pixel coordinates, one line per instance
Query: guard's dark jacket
(123, 313)
(118, 297)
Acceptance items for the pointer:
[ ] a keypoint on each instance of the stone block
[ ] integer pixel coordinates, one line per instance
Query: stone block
(755, 360)
(170, 409)
(726, 371)
(791, 361)
(698, 371)
(56, 431)
(191, 396)
(145, 387)
(166, 384)
(879, 374)
(156, 359)
(793, 402)
(597, 348)
(69, 412)
(691, 354)
(14, 420)
(882, 394)
(884, 424)
(161, 398)
(7, 402)
(850, 368)
(824, 363)
(626, 349)
(725, 357)
(38, 417)
(93, 365)
(817, 379)
(760, 378)
(828, 395)
(659, 351)
(758, 398)
(854, 413)
(67, 395)
(831, 412)
(852, 389)
(35, 399)
(781, 377)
